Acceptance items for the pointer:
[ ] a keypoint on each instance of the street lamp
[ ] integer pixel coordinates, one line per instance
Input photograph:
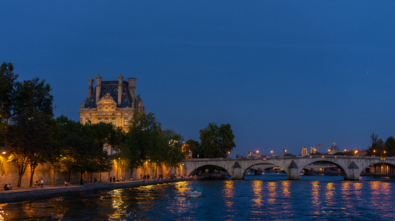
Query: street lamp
(228, 152)
(4, 152)
(345, 150)
(257, 151)
(271, 151)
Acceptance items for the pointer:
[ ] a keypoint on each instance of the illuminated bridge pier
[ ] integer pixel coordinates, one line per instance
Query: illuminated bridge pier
(350, 166)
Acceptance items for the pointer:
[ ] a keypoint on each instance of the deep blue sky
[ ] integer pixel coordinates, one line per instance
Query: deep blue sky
(282, 73)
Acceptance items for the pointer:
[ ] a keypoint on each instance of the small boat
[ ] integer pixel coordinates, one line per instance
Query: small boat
(193, 194)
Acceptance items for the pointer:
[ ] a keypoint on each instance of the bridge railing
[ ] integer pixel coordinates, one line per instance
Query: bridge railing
(292, 157)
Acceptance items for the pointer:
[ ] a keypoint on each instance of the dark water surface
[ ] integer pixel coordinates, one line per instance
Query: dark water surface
(269, 197)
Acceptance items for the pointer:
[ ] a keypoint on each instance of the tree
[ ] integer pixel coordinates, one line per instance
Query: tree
(389, 146)
(377, 146)
(7, 96)
(193, 146)
(29, 138)
(7, 90)
(138, 140)
(30, 114)
(146, 141)
(217, 141)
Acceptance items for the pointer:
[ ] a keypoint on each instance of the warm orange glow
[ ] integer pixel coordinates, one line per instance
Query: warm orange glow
(329, 150)
(356, 151)
(385, 151)
(345, 150)
(257, 151)
(374, 151)
(228, 152)
(4, 152)
(271, 151)
(285, 150)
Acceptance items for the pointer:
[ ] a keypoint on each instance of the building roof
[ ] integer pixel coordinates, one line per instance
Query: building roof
(111, 87)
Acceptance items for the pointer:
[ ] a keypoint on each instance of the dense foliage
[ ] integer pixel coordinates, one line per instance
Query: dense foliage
(379, 148)
(33, 136)
(217, 141)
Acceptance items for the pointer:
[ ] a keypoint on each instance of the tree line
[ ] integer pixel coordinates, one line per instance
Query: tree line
(215, 142)
(33, 136)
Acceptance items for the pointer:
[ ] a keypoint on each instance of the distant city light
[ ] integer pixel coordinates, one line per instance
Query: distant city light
(285, 150)
(271, 151)
(345, 150)
(257, 151)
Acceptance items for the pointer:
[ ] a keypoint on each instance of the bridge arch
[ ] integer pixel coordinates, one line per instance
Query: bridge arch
(263, 163)
(196, 171)
(377, 162)
(326, 160)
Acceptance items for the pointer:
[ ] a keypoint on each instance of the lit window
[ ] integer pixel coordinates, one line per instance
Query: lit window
(113, 121)
(126, 122)
(99, 120)
(106, 120)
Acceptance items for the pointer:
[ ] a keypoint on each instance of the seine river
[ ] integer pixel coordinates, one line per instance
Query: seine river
(259, 197)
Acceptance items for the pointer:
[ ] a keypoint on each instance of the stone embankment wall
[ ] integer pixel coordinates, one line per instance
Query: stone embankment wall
(46, 173)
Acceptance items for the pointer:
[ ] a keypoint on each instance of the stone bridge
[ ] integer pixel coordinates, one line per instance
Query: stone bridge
(351, 166)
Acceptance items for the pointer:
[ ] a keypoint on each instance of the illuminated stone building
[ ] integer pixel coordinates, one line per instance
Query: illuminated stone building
(111, 102)
(304, 151)
(333, 149)
(312, 150)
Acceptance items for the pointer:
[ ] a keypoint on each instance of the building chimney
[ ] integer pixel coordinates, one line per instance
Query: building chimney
(132, 87)
(90, 89)
(120, 89)
(98, 88)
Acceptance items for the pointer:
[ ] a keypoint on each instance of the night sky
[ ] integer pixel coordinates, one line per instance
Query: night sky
(282, 73)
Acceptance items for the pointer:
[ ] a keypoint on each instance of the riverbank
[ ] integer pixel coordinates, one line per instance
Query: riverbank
(35, 193)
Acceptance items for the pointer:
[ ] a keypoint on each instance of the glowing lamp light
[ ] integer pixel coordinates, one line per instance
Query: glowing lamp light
(285, 150)
(374, 151)
(345, 150)
(257, 151)
(385, 151)
(329, 150)
(356, 151)
(228, 152)
(4, 152)
(271, 151)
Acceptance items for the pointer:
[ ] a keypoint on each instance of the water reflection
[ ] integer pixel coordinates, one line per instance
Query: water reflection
(272, 192)
(285, 187)
(257, 188)
(221, 200)
(229, 193)
(330, 189)
(315, 193)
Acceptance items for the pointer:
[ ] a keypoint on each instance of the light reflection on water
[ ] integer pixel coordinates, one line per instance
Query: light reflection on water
(326, 198)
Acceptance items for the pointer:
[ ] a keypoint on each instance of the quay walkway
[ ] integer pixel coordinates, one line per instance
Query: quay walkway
(48, 191)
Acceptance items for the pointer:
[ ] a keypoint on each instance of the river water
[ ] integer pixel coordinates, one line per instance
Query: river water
(257, 197)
